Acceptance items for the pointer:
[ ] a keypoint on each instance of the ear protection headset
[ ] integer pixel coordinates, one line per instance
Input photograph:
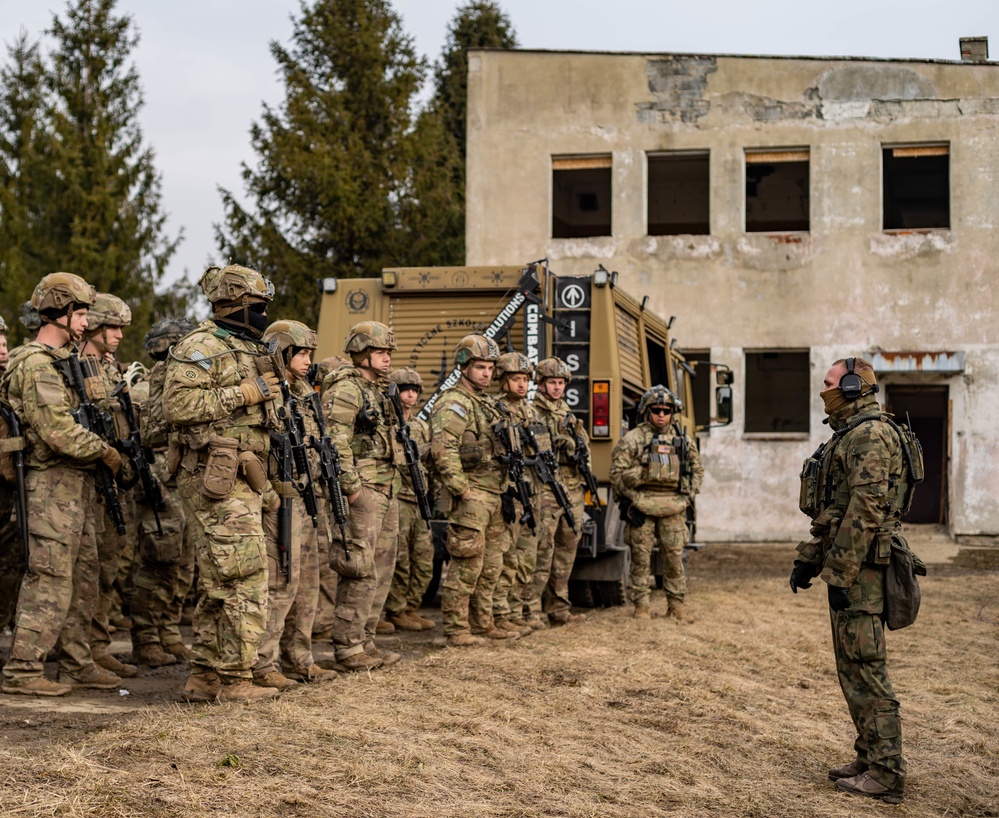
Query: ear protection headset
(852, 385)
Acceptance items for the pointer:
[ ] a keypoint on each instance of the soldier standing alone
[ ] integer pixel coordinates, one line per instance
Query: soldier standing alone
(657, 470)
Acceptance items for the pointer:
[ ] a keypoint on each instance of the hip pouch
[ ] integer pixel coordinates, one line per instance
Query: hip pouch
(175, 453)
(221, 467)
(253, 471)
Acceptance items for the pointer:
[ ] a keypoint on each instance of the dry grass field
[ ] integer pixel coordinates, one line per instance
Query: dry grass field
(736, 714)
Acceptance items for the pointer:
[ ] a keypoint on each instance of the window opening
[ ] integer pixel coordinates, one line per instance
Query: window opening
(916, 187)
(581, 196)
(678, 194)
(777, 191)
(777, 391)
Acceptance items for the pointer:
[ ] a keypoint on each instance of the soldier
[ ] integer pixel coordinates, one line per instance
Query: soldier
(414, 563)
(463, 449)
(221, 404)
(106, 322)
(292, 594)
(549, 590)
(62, 565)
(855, 504)
(514, 372)
(358, 420)
(165, 567)
(11, 568)
(657, 470)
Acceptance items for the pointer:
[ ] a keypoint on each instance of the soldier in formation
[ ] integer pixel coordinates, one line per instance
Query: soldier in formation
(656, 471)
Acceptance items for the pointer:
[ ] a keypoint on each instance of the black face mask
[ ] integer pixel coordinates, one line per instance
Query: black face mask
(248, 323)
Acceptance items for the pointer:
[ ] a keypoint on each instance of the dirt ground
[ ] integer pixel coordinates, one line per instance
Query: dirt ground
(736, 714)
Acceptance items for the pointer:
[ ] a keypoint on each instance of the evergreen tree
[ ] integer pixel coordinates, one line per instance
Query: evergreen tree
(436, 213)
(333, 159)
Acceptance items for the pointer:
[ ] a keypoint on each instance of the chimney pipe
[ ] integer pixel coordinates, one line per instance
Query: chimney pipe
(974, 49)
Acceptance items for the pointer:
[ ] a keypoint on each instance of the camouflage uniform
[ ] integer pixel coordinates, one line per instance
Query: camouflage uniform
(210, 382)
(557, 541)
(463, 449)
(646, 469)
(358, 421)
(62, 570)
(849, 548)
(11, 563)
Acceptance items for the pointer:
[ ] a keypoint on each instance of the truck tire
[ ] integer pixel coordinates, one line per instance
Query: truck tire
(581, 594)
(610, 592)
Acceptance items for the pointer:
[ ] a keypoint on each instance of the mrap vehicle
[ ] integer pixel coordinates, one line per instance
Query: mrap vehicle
(614, 346)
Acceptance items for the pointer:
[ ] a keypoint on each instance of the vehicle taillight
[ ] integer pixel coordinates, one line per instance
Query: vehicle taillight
(601, 408)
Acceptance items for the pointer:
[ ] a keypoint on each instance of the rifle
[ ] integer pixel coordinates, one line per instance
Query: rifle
(330, 470)
(581, 460)
(140, 455)
(281, 452)
(412, 452)
(546, 470)
(515, 461)
(17, 458)
(91, 418)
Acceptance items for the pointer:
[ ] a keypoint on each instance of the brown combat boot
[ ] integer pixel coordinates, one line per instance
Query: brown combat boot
(464, 640)
(203, 686)
(275, 679)
(426, 624)
(116, 666)
(34, 686)
(179, 651)
(535, 622)
(383, 627)
(497, 633)
(359, 661)
(863, 784)
(855, 767)
(388, 657)
(312, 675)
(404, 621)
(512, 627)
(642, 611)
(94, 677)
(243, 691)
(678, 611)
(153, 655)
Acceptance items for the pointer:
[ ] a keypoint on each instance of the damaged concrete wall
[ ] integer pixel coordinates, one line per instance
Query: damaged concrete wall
(844, 287)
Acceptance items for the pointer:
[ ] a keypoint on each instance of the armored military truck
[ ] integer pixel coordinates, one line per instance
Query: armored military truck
(614, 346)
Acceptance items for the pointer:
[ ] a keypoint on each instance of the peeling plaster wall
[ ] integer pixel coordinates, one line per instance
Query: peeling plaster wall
(844, 287)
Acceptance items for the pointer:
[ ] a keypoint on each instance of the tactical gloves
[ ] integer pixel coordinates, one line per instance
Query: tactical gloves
(257, 390)
(801, 576)
(111, 458)
(839, 598)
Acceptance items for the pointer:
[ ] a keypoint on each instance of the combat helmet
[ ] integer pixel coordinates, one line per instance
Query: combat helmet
(658, 396)
(369, 335)
(3, 326)
(164, 334)
(475, 348)
(553, 368)
(233, 283)
(108, 311)
(407, 378)
(29, 317)
(513, 363)
(328, 365)
(291, 335)
(58, 291)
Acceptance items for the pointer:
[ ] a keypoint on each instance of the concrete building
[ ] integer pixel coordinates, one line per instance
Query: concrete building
(789, 211)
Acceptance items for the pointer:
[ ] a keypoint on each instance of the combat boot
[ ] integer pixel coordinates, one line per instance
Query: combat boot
(512, 627)
(152, 655)
(312, 675)
(497, 633)
(405, 622)
(855, 767)
(863, 784)
(112, 663)
(384, 627)
(203, 686)
(275, 679)
(180, 651)
(464, 640)
(678, 611)
(34, 686)
(93, 676)
(359, 661)
(642, 611)
(388, 657)
(243, 691)
(426, 624)
(565, 618)
(535, 622)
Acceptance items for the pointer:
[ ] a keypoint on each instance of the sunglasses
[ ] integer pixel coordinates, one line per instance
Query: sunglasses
(661, 410)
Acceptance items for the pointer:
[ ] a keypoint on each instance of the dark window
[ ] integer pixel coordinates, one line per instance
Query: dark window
(678, 194)
(776, 191)
(777, 391)
(917, 187)
(581, 197)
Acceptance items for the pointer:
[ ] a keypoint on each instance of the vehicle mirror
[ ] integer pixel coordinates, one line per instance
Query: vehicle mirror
(723, 405)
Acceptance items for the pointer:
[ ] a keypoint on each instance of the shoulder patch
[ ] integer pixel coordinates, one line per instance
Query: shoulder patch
(203, 362)
(458, 409)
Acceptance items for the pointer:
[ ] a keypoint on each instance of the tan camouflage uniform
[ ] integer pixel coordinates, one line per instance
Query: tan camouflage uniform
(463, 449)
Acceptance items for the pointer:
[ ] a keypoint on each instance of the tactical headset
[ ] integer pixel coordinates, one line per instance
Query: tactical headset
(852, 385)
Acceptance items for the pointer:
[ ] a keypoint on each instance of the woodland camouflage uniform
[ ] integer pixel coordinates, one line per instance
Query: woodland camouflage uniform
(850, 549)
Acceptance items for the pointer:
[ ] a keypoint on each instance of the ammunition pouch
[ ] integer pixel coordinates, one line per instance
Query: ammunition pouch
(475, 452)
(8, 445)
(221, 467)
(808, 495)
(253, 471)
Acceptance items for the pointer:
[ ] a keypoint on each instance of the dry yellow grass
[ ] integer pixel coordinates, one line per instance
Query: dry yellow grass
(737, 714)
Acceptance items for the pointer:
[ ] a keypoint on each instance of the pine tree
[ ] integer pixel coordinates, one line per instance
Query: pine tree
(333, 159)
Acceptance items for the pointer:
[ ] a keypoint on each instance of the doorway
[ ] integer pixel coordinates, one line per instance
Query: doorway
(926, 410)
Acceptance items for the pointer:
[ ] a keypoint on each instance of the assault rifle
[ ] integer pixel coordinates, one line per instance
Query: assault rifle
(93, 419)
(412, 452)
(515, 462)
(17, 459)
(581, 460)
(546, 470)
(330, 470)
(140, 455)
(281, 452)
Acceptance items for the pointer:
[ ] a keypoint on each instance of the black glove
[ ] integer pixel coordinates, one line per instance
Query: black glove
(839, 598)
(801, 576)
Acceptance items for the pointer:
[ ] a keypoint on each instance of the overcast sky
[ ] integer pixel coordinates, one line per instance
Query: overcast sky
(206, 68)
